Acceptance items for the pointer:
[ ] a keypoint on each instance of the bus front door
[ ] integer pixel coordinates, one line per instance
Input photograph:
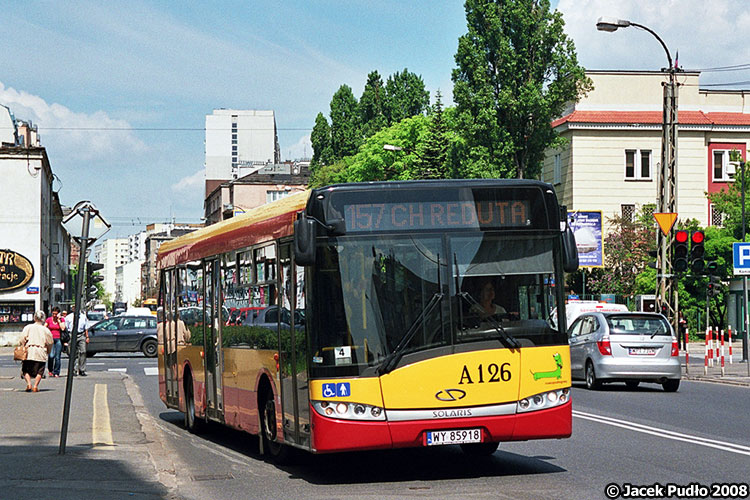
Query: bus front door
(170, 339)
(214, 359)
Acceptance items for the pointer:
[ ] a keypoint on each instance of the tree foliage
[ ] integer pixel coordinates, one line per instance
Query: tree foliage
(433, 157)
(372, 105)
(406, 96)
(516, 70)
(320, 138)
(345, 126)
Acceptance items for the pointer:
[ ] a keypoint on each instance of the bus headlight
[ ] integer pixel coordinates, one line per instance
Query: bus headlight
(545, 400)
(348, 411)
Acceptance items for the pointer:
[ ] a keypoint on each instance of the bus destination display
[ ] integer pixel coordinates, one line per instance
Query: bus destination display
(436, 215)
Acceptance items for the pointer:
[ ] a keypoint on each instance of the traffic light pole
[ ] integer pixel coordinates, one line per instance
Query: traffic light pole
(73, 345)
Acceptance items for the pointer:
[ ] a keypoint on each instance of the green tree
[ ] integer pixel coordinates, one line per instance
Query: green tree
(433, 158)
(728, 202)
(372, 105)
(516, 70)
(405, 96)
(345, 134)
(320, 138)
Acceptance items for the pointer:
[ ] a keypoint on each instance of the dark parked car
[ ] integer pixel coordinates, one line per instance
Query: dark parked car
(269, 318)
(124, 334)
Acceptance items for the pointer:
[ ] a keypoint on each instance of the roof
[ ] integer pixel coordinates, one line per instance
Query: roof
(653, 117)
(272, 220)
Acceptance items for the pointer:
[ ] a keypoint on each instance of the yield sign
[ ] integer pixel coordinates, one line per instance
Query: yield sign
(665, 221)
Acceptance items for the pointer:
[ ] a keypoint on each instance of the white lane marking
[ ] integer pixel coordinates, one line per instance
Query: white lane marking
(121, 370)
(94, 363)
(101, 430)
(151, 370)
(663, 433)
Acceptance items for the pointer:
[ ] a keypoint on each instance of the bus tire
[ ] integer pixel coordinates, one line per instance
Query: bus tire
(480, 449)
(592, 383)
(192, 424)
(280, 453)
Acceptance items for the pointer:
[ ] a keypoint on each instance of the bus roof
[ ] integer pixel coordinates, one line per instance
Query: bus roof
(272, 220)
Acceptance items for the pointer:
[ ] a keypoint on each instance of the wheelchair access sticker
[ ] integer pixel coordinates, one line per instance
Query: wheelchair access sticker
(340, 390)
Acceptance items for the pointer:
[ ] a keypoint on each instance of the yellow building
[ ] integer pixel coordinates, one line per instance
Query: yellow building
(611, 158)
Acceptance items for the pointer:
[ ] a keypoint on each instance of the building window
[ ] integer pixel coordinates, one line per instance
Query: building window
(717, 218)
(627, 212)
(638, 164)
(719, 167)
(557, 176)
(276, 195)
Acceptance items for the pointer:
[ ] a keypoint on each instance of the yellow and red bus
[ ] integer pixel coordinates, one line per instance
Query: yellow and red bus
(374, 316)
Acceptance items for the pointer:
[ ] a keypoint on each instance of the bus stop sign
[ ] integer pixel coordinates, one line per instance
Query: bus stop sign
(741, 257)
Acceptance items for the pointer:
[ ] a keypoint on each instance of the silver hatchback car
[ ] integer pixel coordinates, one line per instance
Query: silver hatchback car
(630, 347)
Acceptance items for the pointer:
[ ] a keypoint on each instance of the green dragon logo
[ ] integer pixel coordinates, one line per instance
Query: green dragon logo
(556, 373)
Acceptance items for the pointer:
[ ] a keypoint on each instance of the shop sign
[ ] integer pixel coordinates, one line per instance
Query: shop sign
(16, 270)
(32, 290)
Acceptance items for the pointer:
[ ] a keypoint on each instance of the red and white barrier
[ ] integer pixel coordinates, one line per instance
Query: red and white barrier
(722, 353)
(730, 345)
(687, 355)
(716, 344)
(710, 347)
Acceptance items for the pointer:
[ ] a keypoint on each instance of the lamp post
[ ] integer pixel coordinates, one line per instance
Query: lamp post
(92, 226)
(666, 293)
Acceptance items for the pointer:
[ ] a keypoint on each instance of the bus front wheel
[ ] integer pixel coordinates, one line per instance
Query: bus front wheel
(278, 451)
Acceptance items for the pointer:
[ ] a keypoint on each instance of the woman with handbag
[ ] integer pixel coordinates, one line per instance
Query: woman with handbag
(38, 341)
(56, 325)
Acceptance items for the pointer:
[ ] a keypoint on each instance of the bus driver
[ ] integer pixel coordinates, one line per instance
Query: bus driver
(486, 306)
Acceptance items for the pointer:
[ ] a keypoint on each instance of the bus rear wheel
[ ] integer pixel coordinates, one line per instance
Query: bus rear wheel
(278, 451)
(192, 424)
(480, 449)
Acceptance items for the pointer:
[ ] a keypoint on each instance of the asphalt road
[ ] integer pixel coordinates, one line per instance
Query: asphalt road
(641, 437)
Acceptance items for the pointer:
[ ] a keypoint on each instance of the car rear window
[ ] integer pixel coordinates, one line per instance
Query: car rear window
(635, 324)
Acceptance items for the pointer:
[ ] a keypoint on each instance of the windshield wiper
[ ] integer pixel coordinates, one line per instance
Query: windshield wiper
(390, 362)
(509, 339)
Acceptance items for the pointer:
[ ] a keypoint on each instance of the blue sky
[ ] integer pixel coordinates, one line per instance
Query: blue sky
(140, 76)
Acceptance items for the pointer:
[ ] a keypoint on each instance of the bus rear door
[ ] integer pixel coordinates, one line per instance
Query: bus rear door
(212, 338)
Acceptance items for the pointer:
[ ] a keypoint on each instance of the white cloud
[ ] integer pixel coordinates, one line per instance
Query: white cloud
(70, 134)
(190, 182)
(706, 34)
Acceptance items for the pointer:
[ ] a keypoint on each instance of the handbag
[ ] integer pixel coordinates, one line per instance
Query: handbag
(19, 353)
(64, 336)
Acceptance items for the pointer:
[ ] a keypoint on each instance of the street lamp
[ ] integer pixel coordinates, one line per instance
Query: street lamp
(666, 293)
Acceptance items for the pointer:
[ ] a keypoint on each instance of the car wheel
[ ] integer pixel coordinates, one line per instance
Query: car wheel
(632, 384)
(149, 348)
(278, 451)
(480, 449)
(671, 385)
(592, 383)
(191, 423)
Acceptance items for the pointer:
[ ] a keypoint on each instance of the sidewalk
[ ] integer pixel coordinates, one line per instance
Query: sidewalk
(107, 453)
(735, 373)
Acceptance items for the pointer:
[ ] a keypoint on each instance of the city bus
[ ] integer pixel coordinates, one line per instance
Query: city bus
(367, 322)
(150, 303)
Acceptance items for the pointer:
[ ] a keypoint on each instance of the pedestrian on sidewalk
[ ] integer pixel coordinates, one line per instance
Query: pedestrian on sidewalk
(82, 339)
(56, 325)
(683, 333)
(38, 341)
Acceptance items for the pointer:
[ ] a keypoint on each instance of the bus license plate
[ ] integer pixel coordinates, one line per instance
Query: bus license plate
(456, 436)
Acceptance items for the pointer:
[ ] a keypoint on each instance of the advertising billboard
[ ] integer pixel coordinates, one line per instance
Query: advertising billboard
(587, 229)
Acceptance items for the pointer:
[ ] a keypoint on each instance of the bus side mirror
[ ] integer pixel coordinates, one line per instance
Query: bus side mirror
(304, 241)
(570, 251)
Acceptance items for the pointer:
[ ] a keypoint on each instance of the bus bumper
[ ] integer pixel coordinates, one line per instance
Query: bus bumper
(333, 435)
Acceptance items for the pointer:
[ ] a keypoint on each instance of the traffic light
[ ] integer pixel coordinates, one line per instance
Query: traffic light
(680, 251)
(697, 264)
(712, 267)
(714, 286)
(92, 280)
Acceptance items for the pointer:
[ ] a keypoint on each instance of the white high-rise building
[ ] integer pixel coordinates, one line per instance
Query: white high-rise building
(237, 143)
(112, 252)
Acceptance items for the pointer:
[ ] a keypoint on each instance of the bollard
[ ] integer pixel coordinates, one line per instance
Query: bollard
(706, 353)
(687, 355)
(730, 345)
(722, 353)
(709, 337)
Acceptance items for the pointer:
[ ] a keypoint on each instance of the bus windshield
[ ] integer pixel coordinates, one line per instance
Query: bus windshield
(373, 295)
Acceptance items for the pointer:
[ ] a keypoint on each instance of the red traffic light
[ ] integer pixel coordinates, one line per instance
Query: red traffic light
(697, 237)
(681, 236)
